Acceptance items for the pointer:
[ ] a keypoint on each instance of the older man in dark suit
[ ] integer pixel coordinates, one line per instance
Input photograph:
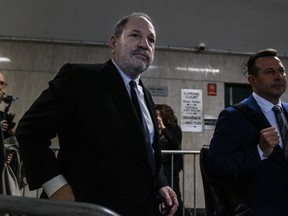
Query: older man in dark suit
(108, 154)
(251, 158)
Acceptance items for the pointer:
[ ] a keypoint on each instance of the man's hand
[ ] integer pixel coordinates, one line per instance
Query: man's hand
(269, 138)
(64, 193)
(10, 157)
(170, 200)
(4, 125)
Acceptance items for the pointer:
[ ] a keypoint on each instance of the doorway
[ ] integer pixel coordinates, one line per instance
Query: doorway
(235, 93)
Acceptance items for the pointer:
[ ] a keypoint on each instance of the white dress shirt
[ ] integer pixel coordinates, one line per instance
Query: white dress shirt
(266, 108)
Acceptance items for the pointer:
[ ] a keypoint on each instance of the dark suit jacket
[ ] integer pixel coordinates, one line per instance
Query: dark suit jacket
(233, 152)
(102, 150)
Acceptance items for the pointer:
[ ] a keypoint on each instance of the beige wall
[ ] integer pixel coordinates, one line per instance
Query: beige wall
(33, 64)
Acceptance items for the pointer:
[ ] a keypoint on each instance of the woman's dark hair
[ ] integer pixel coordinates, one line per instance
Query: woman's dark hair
(168, 116)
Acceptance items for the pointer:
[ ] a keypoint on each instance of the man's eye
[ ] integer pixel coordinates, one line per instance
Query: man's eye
(134, 35)
(151, 40)
(269, 71)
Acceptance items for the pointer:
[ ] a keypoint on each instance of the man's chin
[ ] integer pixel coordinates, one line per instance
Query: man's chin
(141, 67)
(279, 89)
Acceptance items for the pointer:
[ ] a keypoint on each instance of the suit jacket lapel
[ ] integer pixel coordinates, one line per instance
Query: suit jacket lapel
(118, 91)
(121, 101)
(152, 111)
(151, 108)
(285, 106)
(256, 110)
(264, 121)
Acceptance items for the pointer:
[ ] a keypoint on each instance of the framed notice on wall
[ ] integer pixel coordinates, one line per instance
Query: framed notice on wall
(191, 110)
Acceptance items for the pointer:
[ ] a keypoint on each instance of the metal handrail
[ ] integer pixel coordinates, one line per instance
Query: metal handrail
(44, 207)
(184, 152)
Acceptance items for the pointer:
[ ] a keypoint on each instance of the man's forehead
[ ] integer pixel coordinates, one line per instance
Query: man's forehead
(139, 23)
(268, 61)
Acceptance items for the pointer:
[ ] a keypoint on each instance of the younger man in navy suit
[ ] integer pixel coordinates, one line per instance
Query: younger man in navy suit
(248, 159)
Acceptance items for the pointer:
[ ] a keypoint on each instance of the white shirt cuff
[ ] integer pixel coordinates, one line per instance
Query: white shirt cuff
(261, 154)
(51, 186)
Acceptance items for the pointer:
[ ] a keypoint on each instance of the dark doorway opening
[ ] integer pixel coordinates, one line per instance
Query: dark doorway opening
(235, 93)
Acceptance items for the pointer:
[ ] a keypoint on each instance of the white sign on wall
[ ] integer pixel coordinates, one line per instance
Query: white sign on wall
(191, 110)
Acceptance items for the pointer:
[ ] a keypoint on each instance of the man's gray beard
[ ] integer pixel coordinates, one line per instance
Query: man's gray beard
(134, 72)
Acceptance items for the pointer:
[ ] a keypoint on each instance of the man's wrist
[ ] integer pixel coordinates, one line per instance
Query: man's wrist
(51, 186)
(261, 153)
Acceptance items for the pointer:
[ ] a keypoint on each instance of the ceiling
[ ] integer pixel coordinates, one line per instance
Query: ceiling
(229, 25)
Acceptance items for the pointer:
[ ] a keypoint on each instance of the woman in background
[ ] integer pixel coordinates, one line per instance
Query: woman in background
(170, 139)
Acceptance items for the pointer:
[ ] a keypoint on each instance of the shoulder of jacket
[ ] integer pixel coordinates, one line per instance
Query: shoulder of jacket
(95, 68)
(79, 71)
(285, 105)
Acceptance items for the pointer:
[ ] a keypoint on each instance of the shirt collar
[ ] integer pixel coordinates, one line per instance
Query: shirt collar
(124, 76)
(265, 105)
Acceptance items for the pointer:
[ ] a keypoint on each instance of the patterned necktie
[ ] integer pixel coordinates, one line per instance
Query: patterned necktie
(136, 105)
(282, 128)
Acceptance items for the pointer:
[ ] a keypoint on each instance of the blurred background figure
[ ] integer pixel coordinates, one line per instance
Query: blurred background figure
(170, 139)
(12, 177)
(2, 160)
(7, 125)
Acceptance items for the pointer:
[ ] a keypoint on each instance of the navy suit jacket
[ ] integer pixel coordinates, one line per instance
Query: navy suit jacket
(102, 146)
(233, 152)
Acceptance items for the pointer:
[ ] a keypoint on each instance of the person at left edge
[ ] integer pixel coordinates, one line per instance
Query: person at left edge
(102, 157)
(6, 129)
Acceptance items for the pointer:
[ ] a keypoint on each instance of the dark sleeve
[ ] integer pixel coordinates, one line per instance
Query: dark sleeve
(162, 180)
(173, 137)
(233, 148)
(41, 123)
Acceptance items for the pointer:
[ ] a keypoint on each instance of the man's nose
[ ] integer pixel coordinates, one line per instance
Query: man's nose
(280, 75)
(144, 43)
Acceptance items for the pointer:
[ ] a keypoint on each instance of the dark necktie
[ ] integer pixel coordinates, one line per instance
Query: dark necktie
(135, 101)
(282, 128)
(136, 105)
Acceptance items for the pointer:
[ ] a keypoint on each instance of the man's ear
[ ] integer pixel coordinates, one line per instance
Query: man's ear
(112, 43)
(251, 80)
